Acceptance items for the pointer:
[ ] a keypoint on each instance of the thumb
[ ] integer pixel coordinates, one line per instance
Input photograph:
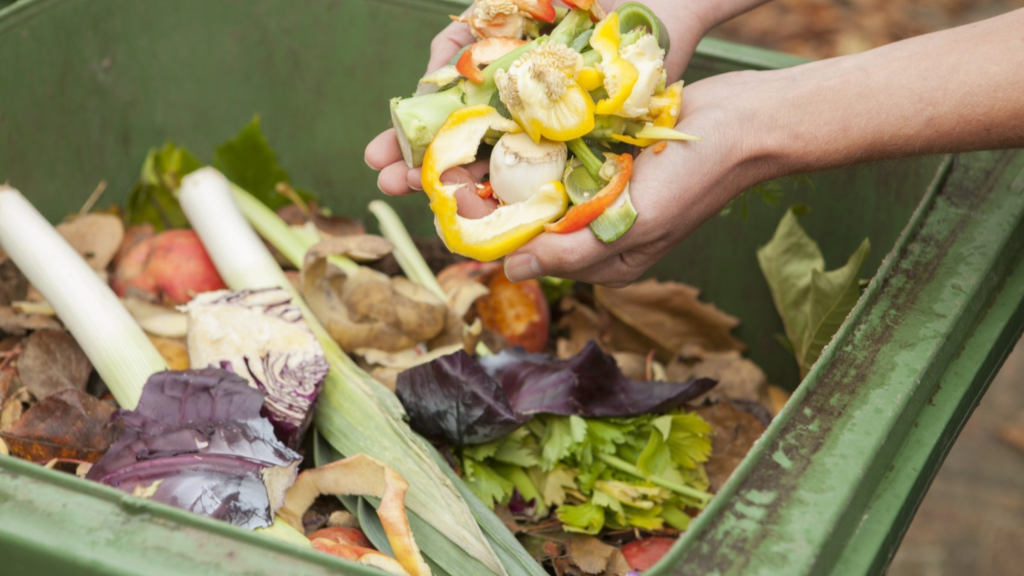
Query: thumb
(448, 43)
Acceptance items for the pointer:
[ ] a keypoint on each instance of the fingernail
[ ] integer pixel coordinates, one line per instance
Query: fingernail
(522, 267)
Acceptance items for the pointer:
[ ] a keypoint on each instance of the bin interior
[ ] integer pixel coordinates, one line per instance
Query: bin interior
(92, 86)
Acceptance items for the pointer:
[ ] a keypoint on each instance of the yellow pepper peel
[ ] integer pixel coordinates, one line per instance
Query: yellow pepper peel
(619, 74)
(508, 227)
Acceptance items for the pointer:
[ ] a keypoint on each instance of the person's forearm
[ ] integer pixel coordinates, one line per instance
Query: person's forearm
(953, 91)
(688, 21)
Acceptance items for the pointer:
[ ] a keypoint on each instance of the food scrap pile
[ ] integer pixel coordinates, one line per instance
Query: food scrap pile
(562, 101)
(591, 423)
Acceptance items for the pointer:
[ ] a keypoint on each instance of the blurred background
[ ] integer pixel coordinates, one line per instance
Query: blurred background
(971, 523)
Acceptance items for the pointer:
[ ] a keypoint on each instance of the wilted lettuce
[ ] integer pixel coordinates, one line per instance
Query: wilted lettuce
(461, 401)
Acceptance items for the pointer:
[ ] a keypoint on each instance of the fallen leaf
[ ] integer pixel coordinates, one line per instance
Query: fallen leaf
(590, 554)
(155, 319)
(13, 285)
(578, 325)
(174, 352)
(66, 425)
(733, 434)
(640, 367)
(813, 303)
(330, 224)
(738, 378)
(4, 450)
(12, 322)
(53, 361)
(15, 405)
(97, 237)
(664, 316)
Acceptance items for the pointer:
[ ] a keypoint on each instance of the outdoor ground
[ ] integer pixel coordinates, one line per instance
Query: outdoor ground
(971, 523)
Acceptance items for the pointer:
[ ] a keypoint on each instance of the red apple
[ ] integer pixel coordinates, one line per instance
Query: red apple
(172, 266)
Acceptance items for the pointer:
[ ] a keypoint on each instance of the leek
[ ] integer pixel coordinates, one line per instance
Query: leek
(355, 413)
(117, 347)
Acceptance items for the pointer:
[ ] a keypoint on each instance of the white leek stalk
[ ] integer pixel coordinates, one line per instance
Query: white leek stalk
(355, 413)
(115, 344)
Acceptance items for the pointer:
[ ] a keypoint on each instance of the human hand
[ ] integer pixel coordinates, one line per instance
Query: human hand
(673, 192)
(685, 28)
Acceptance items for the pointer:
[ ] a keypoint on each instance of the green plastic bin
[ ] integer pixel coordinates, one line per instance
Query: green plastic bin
(87, 87)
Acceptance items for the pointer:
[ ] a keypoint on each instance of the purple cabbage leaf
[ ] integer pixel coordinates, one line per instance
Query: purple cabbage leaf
(262, 336)
(197, 441)
(460, 401)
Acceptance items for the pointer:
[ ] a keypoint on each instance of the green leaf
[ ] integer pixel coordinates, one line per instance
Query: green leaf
(552, 485)
(690, 440)
(560, 436)
(675, 517)
(518, 448)
(656, 456)
(481, 452)
(587, 518)
(248, 161)
(487, 484)
(813, 303)
(152, 200)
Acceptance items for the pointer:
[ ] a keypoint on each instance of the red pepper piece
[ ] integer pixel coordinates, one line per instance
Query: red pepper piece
(581, 4)
(539, 9)
(581, 215)
(484, 52)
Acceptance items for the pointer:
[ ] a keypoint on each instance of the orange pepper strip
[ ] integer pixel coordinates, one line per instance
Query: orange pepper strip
(581, 215)
(581, 4)
(485, 190)
(484, 52)
(660, 146)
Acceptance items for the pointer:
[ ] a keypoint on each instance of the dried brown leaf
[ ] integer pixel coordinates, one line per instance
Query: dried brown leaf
(590, 554)
(53, 361)
(578, 325)
(97, 237)
(67, 425)
(664, 316)
(738, 378)
(734, 432)
(13, 285)
(333, 225)
(12, 322)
